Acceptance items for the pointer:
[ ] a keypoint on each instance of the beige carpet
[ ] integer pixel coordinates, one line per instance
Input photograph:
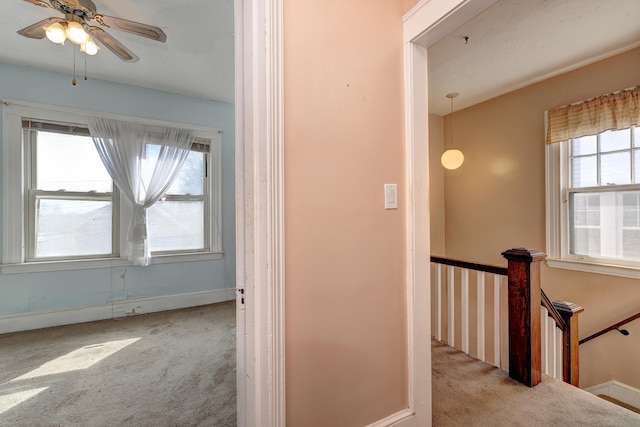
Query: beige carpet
(467, 392)
(175, 368)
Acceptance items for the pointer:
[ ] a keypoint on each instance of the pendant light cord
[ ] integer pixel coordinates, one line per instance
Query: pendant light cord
(451, 122)
(451, 96)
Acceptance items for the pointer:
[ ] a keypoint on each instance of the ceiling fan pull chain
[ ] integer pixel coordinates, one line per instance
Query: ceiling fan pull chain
(74, 68)
(85, 67)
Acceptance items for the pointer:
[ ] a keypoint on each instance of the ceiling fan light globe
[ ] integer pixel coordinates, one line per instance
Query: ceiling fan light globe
(452, 159)
(90, 47)
(56, 33)
(76, 33)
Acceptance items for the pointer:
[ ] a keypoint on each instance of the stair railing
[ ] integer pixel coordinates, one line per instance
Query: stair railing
(539, 339)
(615, 326)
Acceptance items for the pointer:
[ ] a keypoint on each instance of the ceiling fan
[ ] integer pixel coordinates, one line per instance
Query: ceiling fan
(75, 26)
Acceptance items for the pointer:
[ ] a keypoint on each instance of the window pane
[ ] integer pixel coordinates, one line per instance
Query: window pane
(191, 177)
(72, 228)
(613, 140)
(615, 168)
(71, 163)
(584, 171)
(586, 241)
(630, 210)
(190, 180)
(584, 203)
(636, 136)
(631, 244)
(584, 145)
(636, 166)
(586, 209)
(585, 224)
(176, 225)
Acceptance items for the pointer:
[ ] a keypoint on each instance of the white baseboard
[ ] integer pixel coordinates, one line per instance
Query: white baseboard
(404, 418)
(617, 390)
(111, 310)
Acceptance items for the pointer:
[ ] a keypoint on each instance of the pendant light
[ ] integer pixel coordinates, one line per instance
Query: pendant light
(452, 158)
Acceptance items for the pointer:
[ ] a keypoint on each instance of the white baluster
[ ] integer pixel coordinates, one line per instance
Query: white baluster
(480, 317)
(439, 302)
(450, 308)
(497, 320)
(544, 314)
(554, 348)
(465, 310)
(559, 364)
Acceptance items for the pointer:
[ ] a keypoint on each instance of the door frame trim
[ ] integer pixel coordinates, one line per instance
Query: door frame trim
(424, 25)
(260, 212)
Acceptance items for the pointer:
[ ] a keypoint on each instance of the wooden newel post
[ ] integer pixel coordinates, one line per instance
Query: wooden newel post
(523, 272)
(570, 342)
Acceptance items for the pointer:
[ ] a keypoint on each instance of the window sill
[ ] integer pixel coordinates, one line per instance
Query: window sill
(589, 267)
(37, 267)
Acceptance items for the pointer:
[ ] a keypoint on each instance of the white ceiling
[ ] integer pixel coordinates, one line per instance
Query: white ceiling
(512, 44)
(515, 43)
(196, 60)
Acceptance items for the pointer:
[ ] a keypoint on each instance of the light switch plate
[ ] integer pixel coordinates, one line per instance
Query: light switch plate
(391, 196)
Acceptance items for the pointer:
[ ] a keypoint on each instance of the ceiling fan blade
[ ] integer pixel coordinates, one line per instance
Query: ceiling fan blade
(120, 50)
(40, 3)
(144, 30)
(36, 31)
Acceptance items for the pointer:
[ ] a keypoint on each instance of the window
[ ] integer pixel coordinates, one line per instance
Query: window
(593, 184)
(177, 221)
(594, 188)
(603, 195)
(70, 197)
(61, 209)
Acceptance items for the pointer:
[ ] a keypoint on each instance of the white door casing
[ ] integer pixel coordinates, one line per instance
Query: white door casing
(424, 25)
(259, 213)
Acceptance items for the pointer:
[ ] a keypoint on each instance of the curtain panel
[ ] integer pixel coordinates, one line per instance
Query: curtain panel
(143, 162)
(614, 111)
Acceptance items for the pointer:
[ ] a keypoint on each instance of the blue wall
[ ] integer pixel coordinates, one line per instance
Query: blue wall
(31, 292)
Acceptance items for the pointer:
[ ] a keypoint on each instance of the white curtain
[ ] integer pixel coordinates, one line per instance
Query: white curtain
(143, 162)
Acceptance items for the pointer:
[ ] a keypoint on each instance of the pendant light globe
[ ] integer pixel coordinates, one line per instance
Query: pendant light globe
(56, 33)
(452, 158)
(76, 33)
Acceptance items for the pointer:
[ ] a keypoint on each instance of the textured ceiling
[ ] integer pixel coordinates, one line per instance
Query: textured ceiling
(515, 43)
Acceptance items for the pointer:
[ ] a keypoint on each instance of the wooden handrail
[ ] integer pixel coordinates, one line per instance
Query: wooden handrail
(553, 311)
(501, 271)
(611, 328)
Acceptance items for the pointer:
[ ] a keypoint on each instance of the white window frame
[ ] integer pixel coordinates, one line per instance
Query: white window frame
(14, 196)
(557, 221)
(31, 193)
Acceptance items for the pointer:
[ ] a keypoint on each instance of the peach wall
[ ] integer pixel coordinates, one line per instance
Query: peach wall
(408, 4)
(346, 347)
(496, 201)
